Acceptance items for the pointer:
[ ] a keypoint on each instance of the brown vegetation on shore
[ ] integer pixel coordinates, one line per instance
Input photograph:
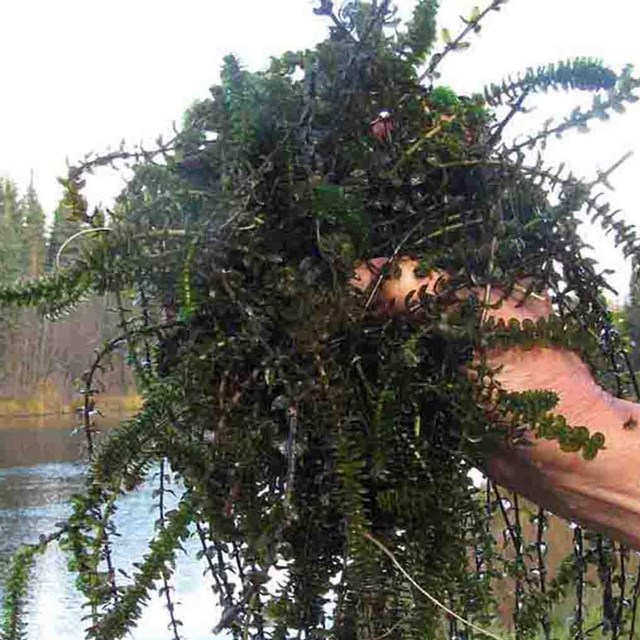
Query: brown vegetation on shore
(48, 407)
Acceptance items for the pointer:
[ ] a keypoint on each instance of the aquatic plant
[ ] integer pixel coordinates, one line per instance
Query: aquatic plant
(313, 436)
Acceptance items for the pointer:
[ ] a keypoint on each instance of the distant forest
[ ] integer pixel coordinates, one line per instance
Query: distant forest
(40, 358)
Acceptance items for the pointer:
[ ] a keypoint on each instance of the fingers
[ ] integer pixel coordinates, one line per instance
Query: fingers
(518, 305)
(402, 285)
(366, 272)
(399, 286)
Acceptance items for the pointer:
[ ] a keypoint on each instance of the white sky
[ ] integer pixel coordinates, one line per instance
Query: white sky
(81, 75)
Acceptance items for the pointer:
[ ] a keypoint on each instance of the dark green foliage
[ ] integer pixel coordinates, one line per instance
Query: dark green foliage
(11, 228)
(296, 419)
(57, 293)
(162, 551)
(13, 624)
(62, 229)
(619, 92)
(33, 232)
(585, 74)
(421, 32)
(533, 408)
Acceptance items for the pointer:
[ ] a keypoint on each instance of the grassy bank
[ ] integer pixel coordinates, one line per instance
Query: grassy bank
(47, 402)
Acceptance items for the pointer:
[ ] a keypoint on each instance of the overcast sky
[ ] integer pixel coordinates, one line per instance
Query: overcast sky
(81, 75)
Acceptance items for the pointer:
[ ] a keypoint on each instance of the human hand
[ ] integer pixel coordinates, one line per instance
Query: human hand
(603, 493)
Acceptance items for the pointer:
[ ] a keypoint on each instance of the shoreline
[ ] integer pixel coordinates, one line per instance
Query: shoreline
(44, 411)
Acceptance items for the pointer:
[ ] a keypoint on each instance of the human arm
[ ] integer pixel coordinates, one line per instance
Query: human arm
(603, 493)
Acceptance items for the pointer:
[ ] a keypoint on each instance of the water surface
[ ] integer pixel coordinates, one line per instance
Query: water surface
(40, 468)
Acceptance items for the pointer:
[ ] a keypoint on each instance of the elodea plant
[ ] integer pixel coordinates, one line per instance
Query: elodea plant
(323, 447)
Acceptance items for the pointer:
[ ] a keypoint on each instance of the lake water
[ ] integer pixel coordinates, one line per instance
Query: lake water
(40, 468)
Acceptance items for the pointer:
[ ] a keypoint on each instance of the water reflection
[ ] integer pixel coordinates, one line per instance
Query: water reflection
(27, 445)
(39, 470)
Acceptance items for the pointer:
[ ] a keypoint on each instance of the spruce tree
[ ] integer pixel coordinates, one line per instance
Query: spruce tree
(33, 219)
(11, 233)
(63, 227)
(11, 264)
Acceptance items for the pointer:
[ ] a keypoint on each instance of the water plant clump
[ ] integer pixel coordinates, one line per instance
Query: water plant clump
(316, 440)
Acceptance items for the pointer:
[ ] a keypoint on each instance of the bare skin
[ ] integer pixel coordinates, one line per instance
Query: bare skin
(604, 493)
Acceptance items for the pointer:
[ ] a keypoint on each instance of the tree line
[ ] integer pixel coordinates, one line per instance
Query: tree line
(39, 358)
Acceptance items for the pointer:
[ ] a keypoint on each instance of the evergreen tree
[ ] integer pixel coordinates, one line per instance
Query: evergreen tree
(63, 227)
(33, 218)
(11, 233)
(11, 264)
